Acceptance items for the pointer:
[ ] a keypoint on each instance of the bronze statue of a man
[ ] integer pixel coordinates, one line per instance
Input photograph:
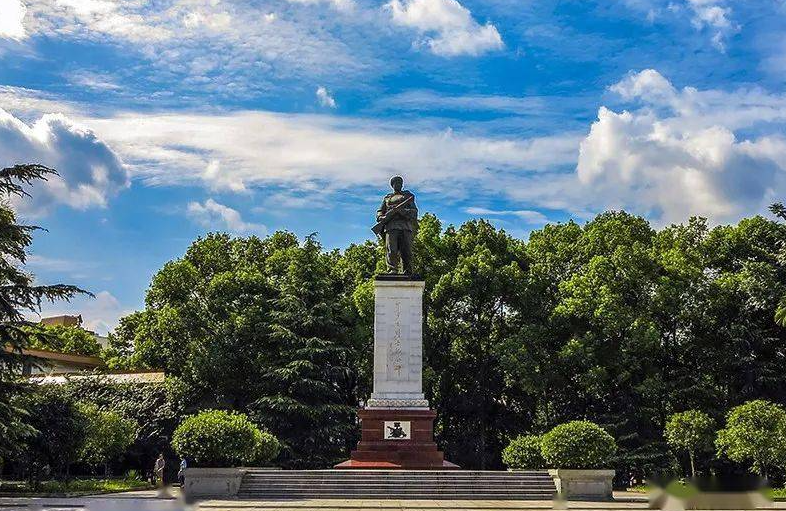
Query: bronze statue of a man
(397, 221)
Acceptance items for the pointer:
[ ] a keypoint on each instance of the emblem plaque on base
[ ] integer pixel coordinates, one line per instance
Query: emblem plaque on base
(397, 430)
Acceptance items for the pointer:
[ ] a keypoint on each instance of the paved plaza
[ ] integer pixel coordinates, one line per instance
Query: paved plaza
(150, 501)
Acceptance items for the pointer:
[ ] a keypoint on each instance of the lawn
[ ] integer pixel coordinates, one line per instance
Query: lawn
(76, 486)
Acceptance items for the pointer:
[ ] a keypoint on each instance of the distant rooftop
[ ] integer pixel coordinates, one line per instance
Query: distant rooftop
(115, 377)
(79, 361)
(62, 320)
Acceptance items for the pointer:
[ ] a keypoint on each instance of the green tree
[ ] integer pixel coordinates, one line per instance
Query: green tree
(690, 431)
(107, 436)
(307, 386)
(755, 432)
(65, 339)
(60, 430)
(18, 297)
(472, 308)
(265, 327)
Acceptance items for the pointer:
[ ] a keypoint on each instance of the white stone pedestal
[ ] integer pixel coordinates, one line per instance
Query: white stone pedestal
(397, 425)
(398, 345)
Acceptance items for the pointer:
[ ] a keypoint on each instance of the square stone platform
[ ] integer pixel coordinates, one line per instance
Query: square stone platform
(416, 450)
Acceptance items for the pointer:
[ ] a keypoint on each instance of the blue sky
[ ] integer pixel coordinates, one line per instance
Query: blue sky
(171, 118)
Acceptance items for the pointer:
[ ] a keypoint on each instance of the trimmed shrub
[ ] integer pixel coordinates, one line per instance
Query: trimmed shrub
(216, 438)
(578, 444)
(755, 433)
(523, 452)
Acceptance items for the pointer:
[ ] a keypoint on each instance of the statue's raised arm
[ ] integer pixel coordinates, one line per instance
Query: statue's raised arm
(397, 219)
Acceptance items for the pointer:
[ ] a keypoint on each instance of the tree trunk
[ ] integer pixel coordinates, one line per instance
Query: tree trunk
(692, 465)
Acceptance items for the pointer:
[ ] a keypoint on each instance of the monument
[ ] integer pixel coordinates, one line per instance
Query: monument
(397, 425)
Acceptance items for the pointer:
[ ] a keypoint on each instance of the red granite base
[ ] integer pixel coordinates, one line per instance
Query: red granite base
(418, 452)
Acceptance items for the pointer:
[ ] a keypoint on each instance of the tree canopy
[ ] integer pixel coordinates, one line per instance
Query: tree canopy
(690, 431)
(64, 339)
(613, 321)
(755, 433)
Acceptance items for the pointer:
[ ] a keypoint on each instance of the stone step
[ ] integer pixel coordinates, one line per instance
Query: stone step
(395, 487)
(402, 490)
(361, 492)
(396, 484)
(399, 482)
(401, 479)
(454, 473)
(414, 496)
(396, 477)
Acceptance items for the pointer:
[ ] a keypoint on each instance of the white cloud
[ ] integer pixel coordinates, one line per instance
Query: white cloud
(126, 20)
(713, 15)
(212, 215)
(674, 153)
(341, 5)
(648, 83)
(215, 21)
(527, 215)
(218, 180)
(12, 16)
(679, 154)
(89, 171)
(447, 27)
(94, 81)
(230, 48)
(29, 102)
(306, 152)
(324, 97)
(38, 262)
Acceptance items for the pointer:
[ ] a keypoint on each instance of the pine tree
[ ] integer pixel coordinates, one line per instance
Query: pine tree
(18, 296)
(305, 401)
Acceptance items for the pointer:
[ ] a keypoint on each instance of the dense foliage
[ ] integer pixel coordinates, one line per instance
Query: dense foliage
(612, 321)
(155, 408)
(755, 433)
(64, 339)
(691, 431)
(578, 444)
(108, 435)
(60, 430)
(266, 327)
(217, 438)
(524, 452)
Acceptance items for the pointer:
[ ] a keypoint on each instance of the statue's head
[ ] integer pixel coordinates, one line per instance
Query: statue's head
(397, 182)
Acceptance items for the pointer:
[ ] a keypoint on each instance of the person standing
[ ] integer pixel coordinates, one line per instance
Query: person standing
(158, 470)
(181, 473)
